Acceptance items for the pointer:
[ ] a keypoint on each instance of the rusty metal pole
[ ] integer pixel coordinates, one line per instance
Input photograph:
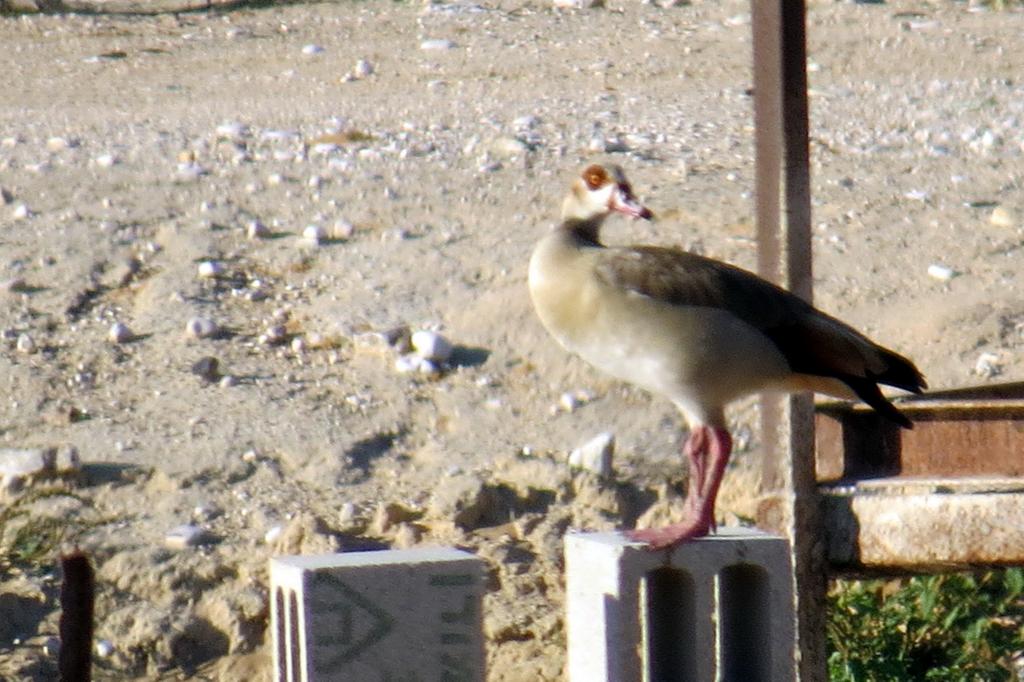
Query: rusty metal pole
(783, 192)
(77, 597)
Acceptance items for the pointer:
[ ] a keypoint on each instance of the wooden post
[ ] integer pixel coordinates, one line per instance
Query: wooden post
(784, 256)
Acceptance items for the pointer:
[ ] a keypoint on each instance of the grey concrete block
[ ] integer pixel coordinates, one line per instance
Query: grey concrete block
(717, 608)
(368, 616)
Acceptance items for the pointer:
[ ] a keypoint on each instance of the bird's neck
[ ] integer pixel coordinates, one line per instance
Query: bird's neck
(587, 231)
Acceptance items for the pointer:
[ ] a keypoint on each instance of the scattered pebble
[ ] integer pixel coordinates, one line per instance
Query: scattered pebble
(104, 648)
(431, 346)
(256, 230)
(571, 400)
(389, 515)
(595, 455)
(25, 344)
(274, 336)
(228, 381)
(508, 147)
(184, 536)
(14, 285)
(20, 212)
(437, 44)
(943, 273)
(1002, 217)
(312, 49)
(411, 362)
(232, 130)
(348, 518)
(190, 170)
(207, 368)
(201, 328)
(313, 235)
(119, 333)
(59, 144)
(577, 4)
(362, 69)
(17, 465)
(210, 268)
(988, 365)
(273, 534)
(51, 647)
(22, 463)
(105, 160)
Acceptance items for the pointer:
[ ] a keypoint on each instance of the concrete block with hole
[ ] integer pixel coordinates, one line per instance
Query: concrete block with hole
(388, 615)
(717, 608)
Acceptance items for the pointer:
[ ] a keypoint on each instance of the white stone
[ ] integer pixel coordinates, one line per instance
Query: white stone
(508, 147)
(51, 647)
(272, 534)
(431, 346)
(58, 144)
(275, 334)
(437, 44)
(20, 212)
(25, 344)
(312, 49)
(210, 268)
(943, 273)
(119, 333)
(201, 328)
(341, 229)
(363, 69)
(183, 536)
(105, 160)
(595, 455)
(104, 648)
(988, 365)
(232, 130)
(313, 235)
(190, 170)
(256, 230)
(1002, 217)
(408, 363)
(26, 462)
(577, 4)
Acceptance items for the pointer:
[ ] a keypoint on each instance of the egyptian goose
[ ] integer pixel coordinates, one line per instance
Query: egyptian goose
(698, 331)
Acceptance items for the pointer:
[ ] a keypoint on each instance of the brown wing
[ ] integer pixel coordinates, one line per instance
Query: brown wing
(811, 341)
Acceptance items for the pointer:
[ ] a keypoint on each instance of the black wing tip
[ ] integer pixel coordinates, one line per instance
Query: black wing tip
(901, 373)
(868, 391)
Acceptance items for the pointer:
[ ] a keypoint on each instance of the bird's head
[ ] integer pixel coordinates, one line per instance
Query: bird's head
(600, 191)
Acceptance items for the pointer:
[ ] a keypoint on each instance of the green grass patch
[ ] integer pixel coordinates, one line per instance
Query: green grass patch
(31, 538)
(958, 626)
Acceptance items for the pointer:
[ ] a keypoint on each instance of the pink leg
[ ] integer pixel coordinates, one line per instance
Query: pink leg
(695, 449)
(708, 450)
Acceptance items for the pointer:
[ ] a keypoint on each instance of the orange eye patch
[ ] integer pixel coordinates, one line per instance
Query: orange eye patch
(595, 177)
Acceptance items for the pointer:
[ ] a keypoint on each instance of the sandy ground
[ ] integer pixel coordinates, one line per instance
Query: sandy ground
(135, 148)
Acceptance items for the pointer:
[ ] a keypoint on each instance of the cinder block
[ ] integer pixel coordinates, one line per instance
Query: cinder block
(368, 616)
(717, 608)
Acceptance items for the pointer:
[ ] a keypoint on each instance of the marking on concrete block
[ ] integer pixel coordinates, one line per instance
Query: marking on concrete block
(352, 621)
(455, 580)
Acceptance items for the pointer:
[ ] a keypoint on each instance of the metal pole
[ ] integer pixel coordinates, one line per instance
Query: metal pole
(784, 256)
(77, 596)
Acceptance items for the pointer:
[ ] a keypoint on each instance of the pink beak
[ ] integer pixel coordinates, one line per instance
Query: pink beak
(623, 201)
